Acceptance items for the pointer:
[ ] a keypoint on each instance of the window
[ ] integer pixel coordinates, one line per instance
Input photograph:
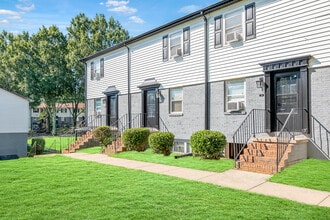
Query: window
(235, 95)
(175, 43)
(186, 41)
(98, 105)
(176, 99)
(218, 31)
(35, 110)
(165, 48)
(250, 21)
(92, 71)
(233, 26)
(97, 69)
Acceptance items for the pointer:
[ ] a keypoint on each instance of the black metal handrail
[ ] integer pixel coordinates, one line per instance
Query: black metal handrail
(283, 139)
(253, 124)
(320, 137)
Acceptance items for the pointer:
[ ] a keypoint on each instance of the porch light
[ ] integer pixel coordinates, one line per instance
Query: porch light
(260, 83)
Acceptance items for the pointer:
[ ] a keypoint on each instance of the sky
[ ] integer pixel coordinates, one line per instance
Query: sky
(136, 16)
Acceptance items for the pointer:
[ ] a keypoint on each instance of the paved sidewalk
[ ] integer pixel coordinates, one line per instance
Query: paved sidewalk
(236, 179)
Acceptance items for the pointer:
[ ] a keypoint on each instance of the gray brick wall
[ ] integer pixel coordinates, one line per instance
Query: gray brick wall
(320, 94)
(228, 123)
(192, 118)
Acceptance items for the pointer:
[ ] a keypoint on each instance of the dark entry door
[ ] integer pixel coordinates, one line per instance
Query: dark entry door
(151, 109)
(286, 96)
(112, 110)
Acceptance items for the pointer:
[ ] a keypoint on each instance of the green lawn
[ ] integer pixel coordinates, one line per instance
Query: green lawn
(57, 142)
(64, 188)
(310, 173)
(187, 162)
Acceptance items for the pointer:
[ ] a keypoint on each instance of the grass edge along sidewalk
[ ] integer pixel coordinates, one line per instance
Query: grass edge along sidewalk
(53, 187)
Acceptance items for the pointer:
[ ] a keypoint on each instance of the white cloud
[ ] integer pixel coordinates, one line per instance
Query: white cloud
(136, 19)
(119, 6)
(4, 22)
(189, 9)
(8, 12)
(25, 6)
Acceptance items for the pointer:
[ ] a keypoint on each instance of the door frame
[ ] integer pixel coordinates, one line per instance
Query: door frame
(147, 85)
(273, 69)
(111, 91)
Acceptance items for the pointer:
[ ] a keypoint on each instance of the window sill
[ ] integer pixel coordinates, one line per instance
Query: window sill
(176, 114)
(236, 113)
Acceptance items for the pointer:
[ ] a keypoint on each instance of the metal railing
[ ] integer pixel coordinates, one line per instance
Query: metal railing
(253, 124)
(320, 137)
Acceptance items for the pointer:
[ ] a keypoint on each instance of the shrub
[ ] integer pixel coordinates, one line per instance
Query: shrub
(161, 142)
(208, 144)
(103, 135)
(136, 139)
(39, 144)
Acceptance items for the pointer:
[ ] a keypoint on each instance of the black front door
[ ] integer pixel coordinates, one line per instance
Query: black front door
(287, 95)
(112, 110)
(151, 109)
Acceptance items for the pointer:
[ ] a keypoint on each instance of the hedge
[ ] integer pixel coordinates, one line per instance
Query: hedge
(136, 139)
(161, 142)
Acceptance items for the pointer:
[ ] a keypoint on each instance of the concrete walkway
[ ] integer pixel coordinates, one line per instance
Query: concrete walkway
(236, 179)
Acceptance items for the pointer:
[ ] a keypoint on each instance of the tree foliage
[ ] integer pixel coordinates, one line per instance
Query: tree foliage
(46, 66)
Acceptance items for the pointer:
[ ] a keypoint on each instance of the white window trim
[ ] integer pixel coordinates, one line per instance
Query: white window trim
(170, 100)
(242, 100)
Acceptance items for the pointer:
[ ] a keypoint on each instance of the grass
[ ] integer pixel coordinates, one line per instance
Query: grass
(64, 188)
(56, 142)
(310, 173)
(90, 150)
(187, 162)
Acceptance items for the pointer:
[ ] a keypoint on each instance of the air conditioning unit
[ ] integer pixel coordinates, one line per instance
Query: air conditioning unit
(97, 75)
(233, 37)
(177, 53)
(235, 106)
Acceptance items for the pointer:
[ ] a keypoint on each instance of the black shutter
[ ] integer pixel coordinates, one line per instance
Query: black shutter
(218, 31)
(165, 48)
(92, 71)
(186, 41)
(102, 68)
(250, 21)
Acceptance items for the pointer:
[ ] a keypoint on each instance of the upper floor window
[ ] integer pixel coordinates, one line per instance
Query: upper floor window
(176, 100)
(97, 69)
(233, 26)
(235, 96)
(176, 44)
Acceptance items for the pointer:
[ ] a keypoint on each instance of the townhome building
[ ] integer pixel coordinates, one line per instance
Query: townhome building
(257, 63)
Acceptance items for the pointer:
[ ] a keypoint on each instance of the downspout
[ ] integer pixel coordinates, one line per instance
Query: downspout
(129, 104)
(86, 104)
(206, 71)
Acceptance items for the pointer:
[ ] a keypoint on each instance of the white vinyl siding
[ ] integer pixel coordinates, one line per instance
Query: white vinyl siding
(147, 62)
(284, 29)
(115, 74)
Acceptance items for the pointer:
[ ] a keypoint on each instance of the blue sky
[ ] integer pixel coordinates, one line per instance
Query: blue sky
(136, 16)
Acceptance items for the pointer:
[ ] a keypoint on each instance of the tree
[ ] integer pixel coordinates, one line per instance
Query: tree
(85, 37)
(47, 80)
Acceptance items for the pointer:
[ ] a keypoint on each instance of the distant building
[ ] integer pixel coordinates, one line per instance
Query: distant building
(64, 115)
(14, 125)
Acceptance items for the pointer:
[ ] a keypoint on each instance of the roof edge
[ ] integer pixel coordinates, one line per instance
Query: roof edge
(159, 29)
